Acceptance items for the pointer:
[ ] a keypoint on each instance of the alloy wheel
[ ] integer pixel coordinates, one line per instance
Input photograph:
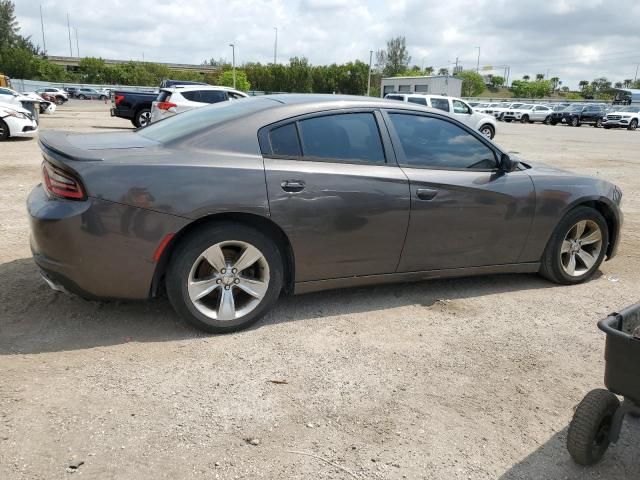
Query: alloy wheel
(144, 119)
(486, 131)
(228, 280)
(581, 248)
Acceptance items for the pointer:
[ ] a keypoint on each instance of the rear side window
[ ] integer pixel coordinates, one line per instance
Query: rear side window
(205, 96)
(440, 104)
(284, 141)
(418, 100)
(352, 136)
(429, 142)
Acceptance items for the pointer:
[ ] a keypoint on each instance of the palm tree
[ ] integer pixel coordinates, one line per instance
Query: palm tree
(618, 85)
(526, 78)
(555, 82)
(539, 77)
(583, 84)
(627, 83)
(443, 71)
(428, 71)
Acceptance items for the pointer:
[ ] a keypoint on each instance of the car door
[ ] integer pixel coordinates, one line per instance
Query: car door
(463, 113)
(336, 190)
(464, 211)
(539, 113)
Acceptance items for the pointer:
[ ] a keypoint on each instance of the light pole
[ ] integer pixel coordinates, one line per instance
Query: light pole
(77, 44)
(44, 43)
(478, 64)
(69, 28)
(233, 53)
(275, 47)
(636, 76)
(369, 79)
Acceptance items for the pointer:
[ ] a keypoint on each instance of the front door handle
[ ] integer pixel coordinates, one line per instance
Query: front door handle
(292, 186)
(426, 194)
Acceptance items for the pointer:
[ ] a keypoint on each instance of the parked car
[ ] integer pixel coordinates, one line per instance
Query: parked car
(71, 91)
(16, 121)
(134, 106)
(90, 93)
(12, 97)
(228, 206)
(175, 100)
(577, 114)
(625, 117)
(529, 113)
(174, 83)
(57, 95)
(458, 108)
(498, 110)
(47, 105)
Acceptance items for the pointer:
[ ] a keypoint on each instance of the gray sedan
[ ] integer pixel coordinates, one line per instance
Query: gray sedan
(227, 207)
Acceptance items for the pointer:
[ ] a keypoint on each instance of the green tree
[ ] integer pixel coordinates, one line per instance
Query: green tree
(9, 28)
(472, 83)
(555, 83)
(299, 76)
(395, 58)
(497, 81)
(226, 79)
(539, 76)
(526, 78)
(429, 71)
(443, 71)
(583, 84)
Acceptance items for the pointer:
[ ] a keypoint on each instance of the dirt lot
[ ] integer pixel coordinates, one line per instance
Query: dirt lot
(471, 378)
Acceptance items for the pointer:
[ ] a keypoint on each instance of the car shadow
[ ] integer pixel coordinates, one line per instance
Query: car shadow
(36, 319)
(552, 461)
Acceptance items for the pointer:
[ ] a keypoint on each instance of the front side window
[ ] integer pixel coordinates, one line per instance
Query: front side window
(430, 142)
(460, 107)
(351, 136)
(440, 104)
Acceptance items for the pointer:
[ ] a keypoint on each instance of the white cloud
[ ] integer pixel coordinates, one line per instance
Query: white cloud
(530, 35)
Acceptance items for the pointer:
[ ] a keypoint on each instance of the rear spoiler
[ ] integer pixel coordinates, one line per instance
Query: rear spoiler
(56, 148)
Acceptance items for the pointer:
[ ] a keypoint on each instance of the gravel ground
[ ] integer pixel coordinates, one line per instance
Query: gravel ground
(458, 379)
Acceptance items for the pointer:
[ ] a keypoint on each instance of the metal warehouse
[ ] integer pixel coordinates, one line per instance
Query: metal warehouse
(433, 85)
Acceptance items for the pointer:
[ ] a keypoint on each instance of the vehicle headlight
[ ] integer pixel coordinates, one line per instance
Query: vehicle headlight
(13, 113)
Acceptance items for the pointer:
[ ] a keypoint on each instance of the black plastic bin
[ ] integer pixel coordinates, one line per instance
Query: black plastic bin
(622, 353)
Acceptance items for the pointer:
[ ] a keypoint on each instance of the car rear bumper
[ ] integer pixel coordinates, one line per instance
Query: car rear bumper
(96, 248)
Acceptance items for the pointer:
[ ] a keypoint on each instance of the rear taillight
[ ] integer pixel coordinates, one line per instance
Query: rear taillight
(61, 183)
(118, 99)
(165, 105)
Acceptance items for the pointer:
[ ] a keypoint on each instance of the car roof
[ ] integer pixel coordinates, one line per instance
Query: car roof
(189, 88)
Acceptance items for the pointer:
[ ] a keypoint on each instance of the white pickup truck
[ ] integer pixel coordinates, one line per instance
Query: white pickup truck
(458, 108)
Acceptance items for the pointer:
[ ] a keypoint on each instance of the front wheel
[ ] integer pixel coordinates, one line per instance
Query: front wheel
(633, 125)
(488, 131)
(575, 122)
(4, 131)
(524, 119)
(225, 277)
(598, 123)
(103, 97)
(588, 435)
(59, 100)
(81, 97)
(576, 248)
(142, 118)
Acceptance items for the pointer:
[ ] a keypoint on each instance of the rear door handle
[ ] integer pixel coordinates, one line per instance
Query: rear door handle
(426, 193)
(292, 186)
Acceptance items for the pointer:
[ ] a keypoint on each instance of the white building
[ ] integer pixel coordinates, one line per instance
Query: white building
(432, 85)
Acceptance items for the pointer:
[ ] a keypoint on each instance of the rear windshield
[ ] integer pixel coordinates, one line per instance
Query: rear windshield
(164, 96)
(198, 119)
(394, 97)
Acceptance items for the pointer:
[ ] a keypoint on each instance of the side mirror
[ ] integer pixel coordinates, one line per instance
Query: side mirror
(507, 164)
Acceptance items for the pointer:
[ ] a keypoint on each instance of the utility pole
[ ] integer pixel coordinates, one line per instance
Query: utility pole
(455, 69)
(233, 53)
(69, 28)
(478, 64)
(275, 47)
(44, 43)
(636, 75)
(77, 44)
(369, 80)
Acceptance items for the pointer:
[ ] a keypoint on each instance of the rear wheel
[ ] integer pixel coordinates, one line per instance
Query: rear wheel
(142, 118)
(4, 130)
(59, 100)
(546, 121)
(633, 125)
(81, 97)
(576, 248)
(488, 131)
(598, 123)
(575, 122)
(588, 435)
(103, 97)
(225, 277)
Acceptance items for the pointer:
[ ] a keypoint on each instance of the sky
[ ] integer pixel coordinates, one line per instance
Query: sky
(569, 39)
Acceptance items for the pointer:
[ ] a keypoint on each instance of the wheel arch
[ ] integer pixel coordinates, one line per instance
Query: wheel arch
(264, 224)
(605, 207)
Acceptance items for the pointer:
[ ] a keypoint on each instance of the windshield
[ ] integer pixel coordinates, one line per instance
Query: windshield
(198, 119)
(516, 105)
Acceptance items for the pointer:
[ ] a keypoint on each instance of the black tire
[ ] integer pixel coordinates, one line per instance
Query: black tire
(524, 119)
(547, 121)
(633, 125)
(598, 123)
(187, 253)
(142, 117)
(103, 97)
(59, 100)
(508, 120)
(575, 122)
(588, 436)
(551, 263)
(81, 97)
(488, 131)
(606, 127)
(4, 131)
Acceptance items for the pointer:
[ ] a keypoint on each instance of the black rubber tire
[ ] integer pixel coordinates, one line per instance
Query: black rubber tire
(186, 253)
(524, 119)
(59, 100)
(490, 129)
(606, 127)
(633, 125)
(588, 436)
(508, 120)
(598, 123)
(575, 122)
(103, 97)
(137, 120)
(553, 122)
(546, 121)
(550, 264)
(81, 97)
(4, 131)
